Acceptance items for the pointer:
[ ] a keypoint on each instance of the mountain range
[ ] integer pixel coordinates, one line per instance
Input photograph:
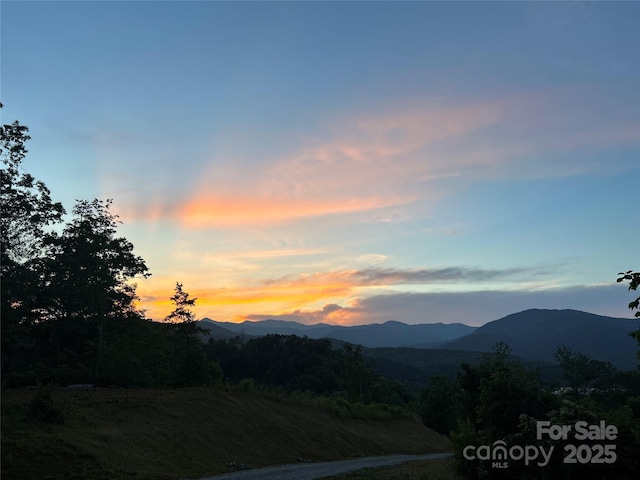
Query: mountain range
(388, 334)
(532, 334)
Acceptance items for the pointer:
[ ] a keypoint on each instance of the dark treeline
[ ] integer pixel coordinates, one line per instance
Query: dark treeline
(307, 365)
(500, 400)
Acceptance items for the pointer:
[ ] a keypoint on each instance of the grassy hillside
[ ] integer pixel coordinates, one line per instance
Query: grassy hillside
(170, 434)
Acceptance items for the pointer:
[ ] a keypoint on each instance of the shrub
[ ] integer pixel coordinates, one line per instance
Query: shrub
(44, 408)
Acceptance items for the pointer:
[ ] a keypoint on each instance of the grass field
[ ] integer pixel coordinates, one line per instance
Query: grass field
(190, 433)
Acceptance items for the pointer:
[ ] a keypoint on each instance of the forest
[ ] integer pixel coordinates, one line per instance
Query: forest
(70, 316)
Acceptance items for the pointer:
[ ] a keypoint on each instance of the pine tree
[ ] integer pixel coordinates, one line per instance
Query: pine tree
(191, 367)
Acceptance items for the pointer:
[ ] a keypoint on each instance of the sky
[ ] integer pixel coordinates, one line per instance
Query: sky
(344, 162)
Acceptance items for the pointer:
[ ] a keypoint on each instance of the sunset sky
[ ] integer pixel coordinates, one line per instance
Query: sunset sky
(346, 163)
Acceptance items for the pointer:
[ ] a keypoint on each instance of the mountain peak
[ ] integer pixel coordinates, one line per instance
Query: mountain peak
(537, 334)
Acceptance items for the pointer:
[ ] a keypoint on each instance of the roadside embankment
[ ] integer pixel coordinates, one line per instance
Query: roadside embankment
(190, 433)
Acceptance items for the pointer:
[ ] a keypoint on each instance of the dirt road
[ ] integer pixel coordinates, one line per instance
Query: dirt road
(310, 471)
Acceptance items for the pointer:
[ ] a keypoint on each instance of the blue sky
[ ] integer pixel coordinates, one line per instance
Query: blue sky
(345, 162)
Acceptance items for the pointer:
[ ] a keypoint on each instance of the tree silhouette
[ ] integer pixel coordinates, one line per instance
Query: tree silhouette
(182, 312)
(26, 202)
(89, 273)
(634, 282)
(581, 372)
(26, 210)
(63, 285)
(190, 360)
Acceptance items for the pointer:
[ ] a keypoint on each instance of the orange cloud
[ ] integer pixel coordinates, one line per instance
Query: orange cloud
(210, 210)
(228, 303)
(307, 292)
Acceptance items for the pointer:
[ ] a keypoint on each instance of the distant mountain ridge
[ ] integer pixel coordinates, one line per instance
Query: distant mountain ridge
(388, 334)
(532, 334)
(536, 334)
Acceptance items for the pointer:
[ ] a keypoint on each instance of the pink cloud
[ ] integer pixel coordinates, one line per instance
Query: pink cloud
(371, 163)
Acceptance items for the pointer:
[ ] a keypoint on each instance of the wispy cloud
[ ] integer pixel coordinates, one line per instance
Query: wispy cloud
(390, 276)
(286, 252)
(365, 163)
(398, 157)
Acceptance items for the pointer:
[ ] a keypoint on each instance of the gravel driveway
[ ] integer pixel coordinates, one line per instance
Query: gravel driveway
(309, 471)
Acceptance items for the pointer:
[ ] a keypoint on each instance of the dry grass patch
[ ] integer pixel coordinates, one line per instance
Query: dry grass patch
(171, 434)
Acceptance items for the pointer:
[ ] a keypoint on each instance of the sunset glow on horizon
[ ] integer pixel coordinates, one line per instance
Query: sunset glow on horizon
(344, 162)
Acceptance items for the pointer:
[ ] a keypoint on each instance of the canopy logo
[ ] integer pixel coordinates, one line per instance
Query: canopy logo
(499, 454)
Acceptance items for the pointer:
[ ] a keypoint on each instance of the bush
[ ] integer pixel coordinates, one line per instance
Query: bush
(246, 385)
(44, 408)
